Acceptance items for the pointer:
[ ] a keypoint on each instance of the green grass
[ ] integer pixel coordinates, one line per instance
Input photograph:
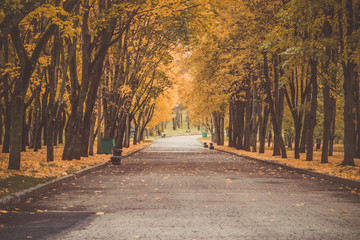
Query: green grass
(183, 130)
(18, 182)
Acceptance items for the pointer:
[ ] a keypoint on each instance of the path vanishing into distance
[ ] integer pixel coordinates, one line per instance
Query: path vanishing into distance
(176, 189)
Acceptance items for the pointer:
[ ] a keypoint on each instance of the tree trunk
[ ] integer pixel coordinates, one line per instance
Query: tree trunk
(121, 131)
(306, 125)
(313, 108)
(327, 123)
(127, 132)
(263, 129)
(17, 112)
(135, 139)
(1, 128)
(36, 134)
(6, 143)
(349, 123)
(23, 135)
(62, 125)
(254, 114)
(269, 138)
(357, 106)
(278, 105)
(92, 135)
(7, 121)
(274, 117)
(98, 149)
(247, 136)
(231, 122)
(333, 127)
(349, 93)
(174, 124)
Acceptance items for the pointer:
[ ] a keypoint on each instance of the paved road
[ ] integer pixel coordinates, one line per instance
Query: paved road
(178, 190)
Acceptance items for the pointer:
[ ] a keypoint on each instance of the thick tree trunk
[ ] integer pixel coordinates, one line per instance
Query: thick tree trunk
(247, 134)
(231, 122)
(50, 140)
(219, 129)
(349, 123)
(274, 117)
(121, 132)
(222, 133)
(313, 108)
(136, 132)
(16, 118)
(306, 125)
(127, 131)
(36, 134)
(278, 105)
(238, 128)
(327, 123)
(349, 93)
(174, 124)
(357, 106)
(254, 122)
(6, 143)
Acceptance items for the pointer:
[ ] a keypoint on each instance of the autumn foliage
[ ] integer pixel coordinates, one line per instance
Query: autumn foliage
(75, 72)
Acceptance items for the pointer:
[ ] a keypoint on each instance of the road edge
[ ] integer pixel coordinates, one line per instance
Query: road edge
(331, 178)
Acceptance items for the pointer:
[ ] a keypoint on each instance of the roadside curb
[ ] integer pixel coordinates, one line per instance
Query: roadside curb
(344, 181)
(23, 195)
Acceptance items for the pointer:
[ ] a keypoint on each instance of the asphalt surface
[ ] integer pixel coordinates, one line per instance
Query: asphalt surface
(176, 189)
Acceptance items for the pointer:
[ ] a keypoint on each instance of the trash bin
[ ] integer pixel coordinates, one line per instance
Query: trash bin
(204, 134)
(106, 145)
(116, 159)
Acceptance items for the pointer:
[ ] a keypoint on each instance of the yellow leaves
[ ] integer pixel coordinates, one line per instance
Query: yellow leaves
(11, 71)
(41, 211)
(34, 164)
(125, 90)
(45, 60)
(331, 168)
(100, 213)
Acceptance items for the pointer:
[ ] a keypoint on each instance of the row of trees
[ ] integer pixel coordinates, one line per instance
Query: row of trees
(293, 63)
(84, 67)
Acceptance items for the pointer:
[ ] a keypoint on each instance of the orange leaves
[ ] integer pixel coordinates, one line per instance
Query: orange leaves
(34, 164)
(332, 168)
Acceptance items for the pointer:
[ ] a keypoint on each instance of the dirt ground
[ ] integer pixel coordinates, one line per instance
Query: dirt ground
(176, 189)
